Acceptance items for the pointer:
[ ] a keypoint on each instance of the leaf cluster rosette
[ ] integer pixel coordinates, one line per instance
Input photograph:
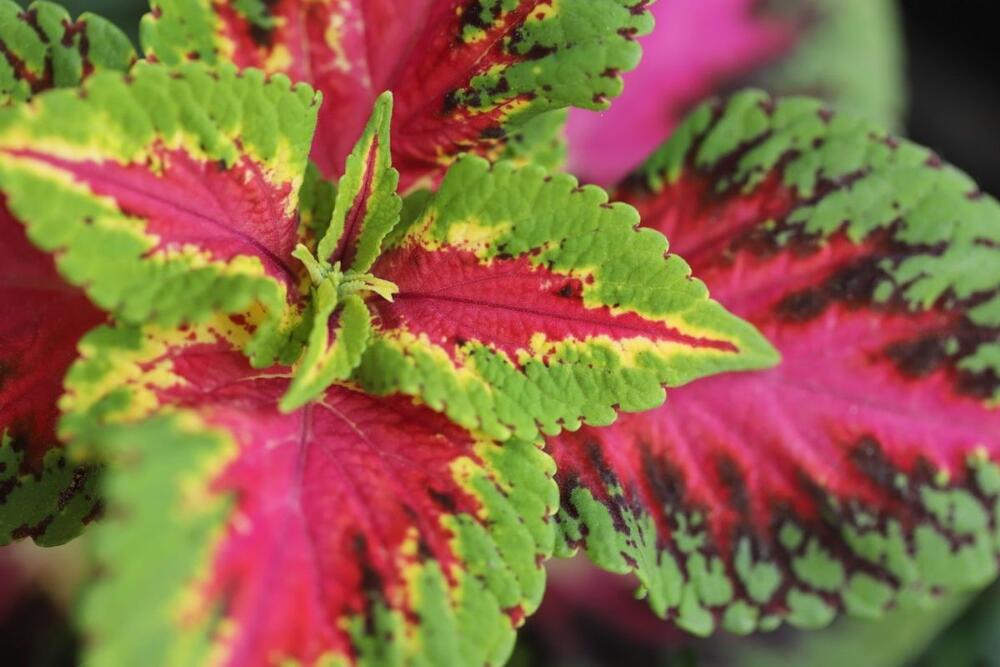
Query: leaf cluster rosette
(345, 385)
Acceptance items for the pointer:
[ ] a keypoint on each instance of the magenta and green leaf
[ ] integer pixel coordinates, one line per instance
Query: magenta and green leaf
(513, 301)
(528, 303)
(355, 530)
(864, 470)
(848, 52)
(464, 73)
(182, 205)
(42, 495)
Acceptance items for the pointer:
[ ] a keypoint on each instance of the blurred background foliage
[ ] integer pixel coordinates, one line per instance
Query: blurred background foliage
(590, 618)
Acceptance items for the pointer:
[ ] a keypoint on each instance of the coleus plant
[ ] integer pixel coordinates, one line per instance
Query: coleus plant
(319, 406)
(846, 51)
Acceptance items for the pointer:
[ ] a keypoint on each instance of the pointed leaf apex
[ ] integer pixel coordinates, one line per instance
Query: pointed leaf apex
(367, 205)
(382, 116)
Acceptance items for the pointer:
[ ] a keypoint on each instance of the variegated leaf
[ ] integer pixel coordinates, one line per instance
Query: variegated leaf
(847, 51)
(526, 302)
(463, 72)
(41, 495)
(861, 472)
(354, 531)
(183, 203)
(43, 48)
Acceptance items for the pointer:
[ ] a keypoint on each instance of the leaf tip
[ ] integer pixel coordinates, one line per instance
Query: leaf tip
(292, 401)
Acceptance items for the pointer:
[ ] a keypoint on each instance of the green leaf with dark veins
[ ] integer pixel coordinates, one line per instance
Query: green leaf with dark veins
(50, 505)
(42, 47)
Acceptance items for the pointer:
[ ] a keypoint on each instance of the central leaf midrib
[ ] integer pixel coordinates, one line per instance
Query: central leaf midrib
(655, 331)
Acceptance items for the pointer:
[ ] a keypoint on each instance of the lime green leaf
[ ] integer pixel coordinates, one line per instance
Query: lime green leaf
(323, 362)
(43, 47)
(366, 210)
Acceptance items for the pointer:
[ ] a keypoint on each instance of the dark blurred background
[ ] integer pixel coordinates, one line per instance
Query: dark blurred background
(955, 83)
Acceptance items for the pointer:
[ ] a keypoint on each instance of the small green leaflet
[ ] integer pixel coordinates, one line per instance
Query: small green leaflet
(367, 205)
(366, 209)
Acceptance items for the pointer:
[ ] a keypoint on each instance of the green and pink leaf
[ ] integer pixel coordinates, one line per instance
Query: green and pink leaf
(863, 471)
(41, 495)
(356, 530)
(463, 73)
(367, 206)
(184, 203)
(526, 302)
(846, 51)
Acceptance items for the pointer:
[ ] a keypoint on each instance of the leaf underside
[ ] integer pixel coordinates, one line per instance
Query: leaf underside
(464, 73)
(861, 472)
(356, 530)
(527, 303)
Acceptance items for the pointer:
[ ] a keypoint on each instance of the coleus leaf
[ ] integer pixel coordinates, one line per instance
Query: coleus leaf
(356, 530)
(526, 302)
(184, 203)
(847, 51)
(367, 206)
(541, 141)
(50, 503)
(862, 471)
(366, 209)
(43, 318)
(43, 48)
(462, 71)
